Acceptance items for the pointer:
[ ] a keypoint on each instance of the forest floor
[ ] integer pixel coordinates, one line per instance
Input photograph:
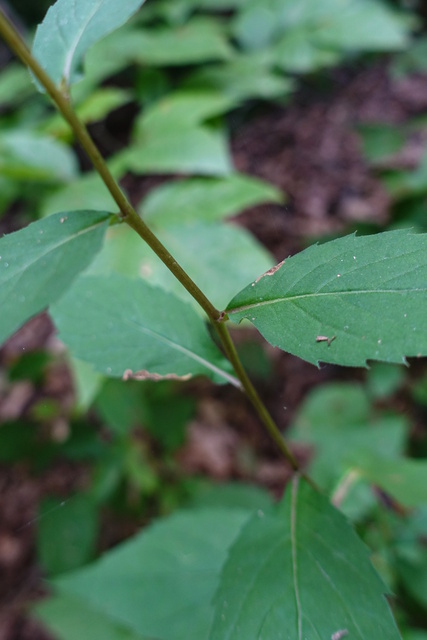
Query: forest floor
(310, 149)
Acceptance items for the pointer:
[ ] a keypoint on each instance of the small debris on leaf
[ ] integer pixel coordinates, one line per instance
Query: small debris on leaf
(325, 339)
(342, 633)
(146, 375)
(271, 271)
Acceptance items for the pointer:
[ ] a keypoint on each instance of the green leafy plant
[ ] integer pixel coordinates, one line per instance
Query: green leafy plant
(249, 569)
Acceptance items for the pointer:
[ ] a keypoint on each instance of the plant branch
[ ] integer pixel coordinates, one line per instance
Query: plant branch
(253, 396)
(131, 217)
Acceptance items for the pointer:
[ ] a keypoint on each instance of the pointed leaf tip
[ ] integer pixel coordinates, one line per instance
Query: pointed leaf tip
(71, 27)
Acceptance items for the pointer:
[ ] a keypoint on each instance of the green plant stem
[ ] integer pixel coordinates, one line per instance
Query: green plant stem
(127, 212)
(253, 396)
(131, 217)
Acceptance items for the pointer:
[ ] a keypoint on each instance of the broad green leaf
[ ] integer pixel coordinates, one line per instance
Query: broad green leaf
(120, 325)
(161, 583)
(231, 495)
(198, 150)
(66, 533)
(25, 155)
(72, 618)
(338, 421)
(39, 263)
(363, 25)
(200, 40)
(183, 109)
(245, 76)
(404, 479)
(71, 27)
(297, 53)
(206, 199)
(230, 256)
(300, 573)
(342, 24)
(347, 301)
(87, 191)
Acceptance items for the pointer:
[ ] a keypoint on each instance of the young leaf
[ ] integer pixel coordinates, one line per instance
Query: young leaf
(182, 109)
(300, 573)
(38, 263)
(344, 302)
(161, 583)
(197, 150)
(125, 327)
(71, 27)
(206, 199)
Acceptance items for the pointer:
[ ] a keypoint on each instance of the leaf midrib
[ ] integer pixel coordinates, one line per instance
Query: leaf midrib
(51, 248)
(357, 292)
(190, 354)
(68, 61)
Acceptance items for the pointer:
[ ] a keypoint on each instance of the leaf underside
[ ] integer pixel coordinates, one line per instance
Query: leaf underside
(120, 325)
(344, 302)
(300, 573)
(71, 27)
(39, 263)
(161, 583)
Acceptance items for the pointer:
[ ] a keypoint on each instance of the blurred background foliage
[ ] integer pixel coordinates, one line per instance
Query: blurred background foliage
(163, 96)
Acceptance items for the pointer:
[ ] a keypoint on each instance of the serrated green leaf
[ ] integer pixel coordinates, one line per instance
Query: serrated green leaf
(198, 150)
(300, 573)
(347, 301)
(71, 27)
(230, 256)
(404, 479)
(39, 263)
(118, 324)
(72, 618)
(26, 155)
(205, 199)
(161, 583)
